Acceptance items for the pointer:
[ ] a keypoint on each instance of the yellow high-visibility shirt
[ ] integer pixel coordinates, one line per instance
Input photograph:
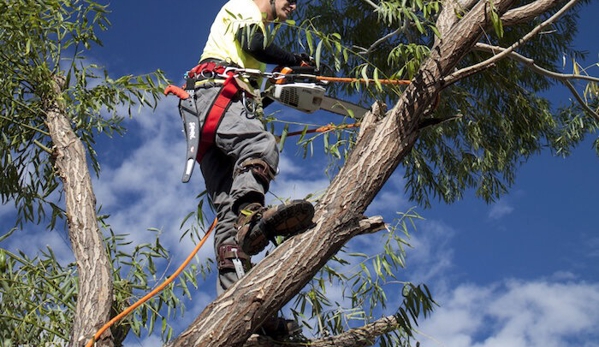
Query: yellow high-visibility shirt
(222, 43)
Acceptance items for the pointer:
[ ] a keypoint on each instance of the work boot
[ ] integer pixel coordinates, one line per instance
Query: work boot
(279, 328)
(258, 225)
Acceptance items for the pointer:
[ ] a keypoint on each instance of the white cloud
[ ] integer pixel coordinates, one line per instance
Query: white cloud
(562, 276)
(431, 255)
(515, 313)
(592, 246)
(32, 241)
(144, 190)
(500, 209)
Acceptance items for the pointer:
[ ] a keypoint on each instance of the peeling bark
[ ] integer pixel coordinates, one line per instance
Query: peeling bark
(528, 12)
(94, 297)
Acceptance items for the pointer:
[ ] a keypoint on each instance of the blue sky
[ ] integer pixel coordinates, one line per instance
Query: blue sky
(519, 272)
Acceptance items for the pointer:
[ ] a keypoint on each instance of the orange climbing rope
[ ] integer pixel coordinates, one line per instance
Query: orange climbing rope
(324, 129)
(155, 290)
(281, 75)
(362, 80)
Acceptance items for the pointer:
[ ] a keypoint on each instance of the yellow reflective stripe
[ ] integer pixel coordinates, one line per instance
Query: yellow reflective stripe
(209, 80)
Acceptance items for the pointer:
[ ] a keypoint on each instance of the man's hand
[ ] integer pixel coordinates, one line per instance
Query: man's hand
(304, 59)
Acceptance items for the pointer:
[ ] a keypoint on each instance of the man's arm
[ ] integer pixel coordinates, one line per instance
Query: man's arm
(271, 54)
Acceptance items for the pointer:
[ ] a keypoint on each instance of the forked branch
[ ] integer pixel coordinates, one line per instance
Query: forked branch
(563, 78)
(468, 71)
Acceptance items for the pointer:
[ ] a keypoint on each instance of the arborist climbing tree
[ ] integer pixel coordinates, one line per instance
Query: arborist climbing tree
(237, 155)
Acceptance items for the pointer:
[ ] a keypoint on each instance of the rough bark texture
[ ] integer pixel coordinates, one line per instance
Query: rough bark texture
(382, 145)
(528, 12)
(94, 268)
(363, 336)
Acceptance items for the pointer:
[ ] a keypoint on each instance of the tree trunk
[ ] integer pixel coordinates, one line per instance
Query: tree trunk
(230, 319)
(94, 267)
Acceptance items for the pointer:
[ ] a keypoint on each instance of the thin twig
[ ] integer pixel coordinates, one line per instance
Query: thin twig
(564, 78)
(375, 6)
(530, 62)
(42, 147)
(458, 75)
(27, 126)
(379, 42)
(580, 101)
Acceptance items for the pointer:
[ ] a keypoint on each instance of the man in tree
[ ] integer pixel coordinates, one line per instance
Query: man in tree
(241, 157)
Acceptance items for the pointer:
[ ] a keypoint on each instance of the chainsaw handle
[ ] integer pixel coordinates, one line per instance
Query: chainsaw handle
(177, 91)
(284, 71)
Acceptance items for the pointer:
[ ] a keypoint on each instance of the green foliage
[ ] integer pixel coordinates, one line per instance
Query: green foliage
(37, 299)
(499, 117)
(38, 295)
(496, 131)
(352, 289)
(139, 268)
(496, 20)
(576, 121)
(389, 41)
(41, 40)
(136, 274)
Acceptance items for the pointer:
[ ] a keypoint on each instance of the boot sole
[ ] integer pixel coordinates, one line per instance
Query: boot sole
(290, 219)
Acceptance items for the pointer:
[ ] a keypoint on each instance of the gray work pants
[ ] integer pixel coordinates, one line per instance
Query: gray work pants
(240, 136)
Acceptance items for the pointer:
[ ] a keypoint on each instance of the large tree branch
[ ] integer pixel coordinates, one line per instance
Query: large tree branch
(448, 16)
(94, 299)
(362, 336)
(528, 12)
(451, 8)
(465, 72)
(231, 318)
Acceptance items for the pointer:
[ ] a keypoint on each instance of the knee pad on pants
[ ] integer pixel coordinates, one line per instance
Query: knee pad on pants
(263, 172)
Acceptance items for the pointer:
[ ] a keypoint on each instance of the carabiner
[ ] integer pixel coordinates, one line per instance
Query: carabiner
(249, 107)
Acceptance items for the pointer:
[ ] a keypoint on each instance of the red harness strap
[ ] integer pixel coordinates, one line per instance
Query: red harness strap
(215, 115)
(219, 106)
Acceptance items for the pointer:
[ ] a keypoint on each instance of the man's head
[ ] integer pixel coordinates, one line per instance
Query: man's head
(281, 9)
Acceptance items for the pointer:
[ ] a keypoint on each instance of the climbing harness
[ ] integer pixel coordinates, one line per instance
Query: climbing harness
(301, 88)
(200, 138)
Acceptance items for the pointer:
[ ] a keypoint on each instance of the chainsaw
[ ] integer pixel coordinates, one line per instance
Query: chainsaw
(310, 97)
(304, 93)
